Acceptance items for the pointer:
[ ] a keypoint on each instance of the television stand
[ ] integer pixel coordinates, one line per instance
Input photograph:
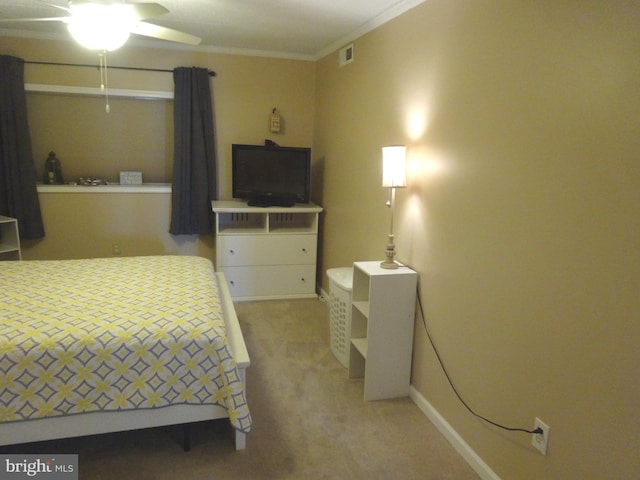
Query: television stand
(265, 202)
(267, 253)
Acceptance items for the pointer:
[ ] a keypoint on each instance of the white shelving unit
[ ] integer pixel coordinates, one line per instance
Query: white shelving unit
(9, 239)
(267, 253)
(382, 317)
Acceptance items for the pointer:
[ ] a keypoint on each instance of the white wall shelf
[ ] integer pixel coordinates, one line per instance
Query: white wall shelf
(97, 92)
(111, 188)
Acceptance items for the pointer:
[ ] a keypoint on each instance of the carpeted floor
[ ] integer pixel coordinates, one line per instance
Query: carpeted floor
(310, 421)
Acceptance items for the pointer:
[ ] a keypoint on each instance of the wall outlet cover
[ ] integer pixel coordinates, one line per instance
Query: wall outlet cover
(541, 440)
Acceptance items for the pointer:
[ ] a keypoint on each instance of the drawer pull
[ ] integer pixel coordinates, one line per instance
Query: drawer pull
(232, 252)
(304, 250)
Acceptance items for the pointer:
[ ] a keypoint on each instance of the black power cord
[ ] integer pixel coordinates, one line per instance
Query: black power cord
(455, 390)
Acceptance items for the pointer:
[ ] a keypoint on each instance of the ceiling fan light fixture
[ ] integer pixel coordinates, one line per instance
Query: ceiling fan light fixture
(99, 26)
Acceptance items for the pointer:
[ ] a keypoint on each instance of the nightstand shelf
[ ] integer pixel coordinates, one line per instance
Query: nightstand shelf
(382, 317)
(9, 239)
(361, 346)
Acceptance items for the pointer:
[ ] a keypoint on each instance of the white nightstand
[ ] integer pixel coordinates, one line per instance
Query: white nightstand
(382, 318)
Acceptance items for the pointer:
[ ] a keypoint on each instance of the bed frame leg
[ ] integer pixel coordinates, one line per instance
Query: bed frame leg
(186, 437)
(241, 440)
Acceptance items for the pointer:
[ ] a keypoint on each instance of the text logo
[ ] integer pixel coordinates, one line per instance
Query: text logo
(49, 467)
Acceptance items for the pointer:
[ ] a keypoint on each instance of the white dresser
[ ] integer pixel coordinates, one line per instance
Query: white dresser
(267, 253)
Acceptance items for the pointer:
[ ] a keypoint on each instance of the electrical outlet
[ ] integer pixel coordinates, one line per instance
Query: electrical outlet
(115, 249)
(541, 440)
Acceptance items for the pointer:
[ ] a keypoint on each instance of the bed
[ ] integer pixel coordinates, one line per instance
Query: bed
(102, 345)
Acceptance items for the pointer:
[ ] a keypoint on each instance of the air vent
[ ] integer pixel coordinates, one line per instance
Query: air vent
(346, 55)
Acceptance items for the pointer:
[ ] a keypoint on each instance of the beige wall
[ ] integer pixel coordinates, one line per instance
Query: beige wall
(137, 135)
(85, 225)
(521, 214)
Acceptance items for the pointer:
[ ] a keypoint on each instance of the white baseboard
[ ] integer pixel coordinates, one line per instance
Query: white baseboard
(452, 436)
(462, 447)
(324, 296)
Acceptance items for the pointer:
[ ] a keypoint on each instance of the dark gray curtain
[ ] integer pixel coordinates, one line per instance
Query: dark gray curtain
(194, 163)
(18, 193)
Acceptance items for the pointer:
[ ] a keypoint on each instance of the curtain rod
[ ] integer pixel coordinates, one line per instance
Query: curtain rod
(211, 72)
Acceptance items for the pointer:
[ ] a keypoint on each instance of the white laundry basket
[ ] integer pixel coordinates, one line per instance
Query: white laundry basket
(340, 286)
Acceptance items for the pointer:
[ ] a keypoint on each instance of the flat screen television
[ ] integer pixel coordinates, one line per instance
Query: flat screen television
(271, 176)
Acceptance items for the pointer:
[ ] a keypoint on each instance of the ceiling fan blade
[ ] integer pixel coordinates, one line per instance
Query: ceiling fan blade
(148, 10)
(139, 11)
(66, 9)
(163, 33)
(50, 19)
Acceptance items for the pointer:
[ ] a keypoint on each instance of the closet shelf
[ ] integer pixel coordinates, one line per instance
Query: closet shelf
(97, 92)
(112, 188)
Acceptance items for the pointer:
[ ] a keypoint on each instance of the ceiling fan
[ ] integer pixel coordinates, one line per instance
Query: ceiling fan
(105, 25)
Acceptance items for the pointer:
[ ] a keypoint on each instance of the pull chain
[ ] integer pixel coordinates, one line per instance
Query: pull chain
(104, 80)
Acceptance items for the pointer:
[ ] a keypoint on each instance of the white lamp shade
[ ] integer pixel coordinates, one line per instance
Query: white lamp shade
(394, 172)
(99, 26)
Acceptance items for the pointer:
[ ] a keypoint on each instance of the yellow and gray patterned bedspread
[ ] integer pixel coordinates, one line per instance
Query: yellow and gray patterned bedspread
(79, 336)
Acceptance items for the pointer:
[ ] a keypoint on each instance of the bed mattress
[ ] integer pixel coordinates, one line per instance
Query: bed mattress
(79, 336)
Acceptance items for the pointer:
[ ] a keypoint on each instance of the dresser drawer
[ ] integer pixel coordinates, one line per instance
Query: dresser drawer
(240, 250)
(270, 281)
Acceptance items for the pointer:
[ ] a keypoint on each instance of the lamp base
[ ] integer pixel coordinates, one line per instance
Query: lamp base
(390, 253)
(389, 265)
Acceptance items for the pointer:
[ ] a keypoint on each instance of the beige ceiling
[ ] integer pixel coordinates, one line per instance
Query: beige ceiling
(287, 28)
